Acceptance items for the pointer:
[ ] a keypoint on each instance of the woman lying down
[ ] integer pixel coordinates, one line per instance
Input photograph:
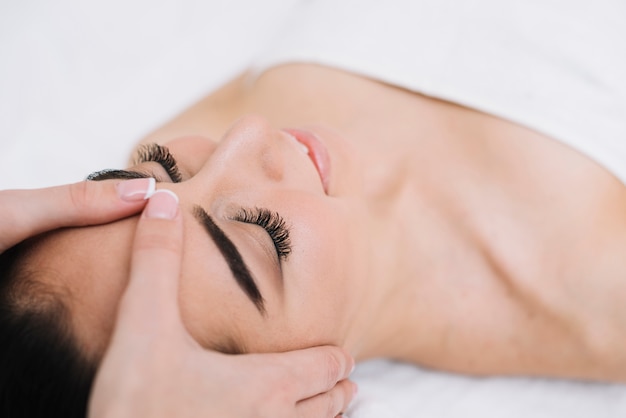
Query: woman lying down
(326, 207)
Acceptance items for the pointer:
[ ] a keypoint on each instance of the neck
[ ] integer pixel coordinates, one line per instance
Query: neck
(407, 273)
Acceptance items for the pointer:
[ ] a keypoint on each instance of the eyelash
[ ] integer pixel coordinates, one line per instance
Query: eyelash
(274, 225)
(162, 156)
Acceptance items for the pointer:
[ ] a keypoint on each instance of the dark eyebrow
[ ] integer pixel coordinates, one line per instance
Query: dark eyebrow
(112, 174)
(233, 258)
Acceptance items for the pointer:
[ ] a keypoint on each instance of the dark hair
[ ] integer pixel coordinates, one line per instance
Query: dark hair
(42, 371)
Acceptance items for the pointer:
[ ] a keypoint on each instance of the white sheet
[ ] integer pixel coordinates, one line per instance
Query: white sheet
(80, 83)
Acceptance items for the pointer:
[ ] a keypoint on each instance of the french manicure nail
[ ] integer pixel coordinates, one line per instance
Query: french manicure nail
(135, 189)
(162, 205)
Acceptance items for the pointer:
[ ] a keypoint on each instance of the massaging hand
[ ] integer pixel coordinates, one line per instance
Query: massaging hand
(153, 367)
(25, 213)
(191, 382)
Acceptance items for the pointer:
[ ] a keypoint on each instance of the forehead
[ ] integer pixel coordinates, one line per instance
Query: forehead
(93, 265)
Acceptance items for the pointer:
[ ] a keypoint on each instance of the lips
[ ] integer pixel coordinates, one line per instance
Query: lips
(317, 152)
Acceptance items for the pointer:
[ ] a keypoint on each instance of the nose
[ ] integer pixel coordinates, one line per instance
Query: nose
(252, 155)
(255, 147)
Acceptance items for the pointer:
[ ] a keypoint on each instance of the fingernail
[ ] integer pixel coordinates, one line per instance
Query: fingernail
(135, 189)
(162, 205)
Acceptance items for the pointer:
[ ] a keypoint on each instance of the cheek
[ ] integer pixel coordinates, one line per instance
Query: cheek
(212, 308)
(327, 272)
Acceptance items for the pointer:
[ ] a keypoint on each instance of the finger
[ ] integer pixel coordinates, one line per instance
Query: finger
(26, 213)
(328, 404)
(149, 305)
(316, 370)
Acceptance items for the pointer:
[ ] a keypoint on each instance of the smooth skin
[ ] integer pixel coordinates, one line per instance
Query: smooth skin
(134, 380)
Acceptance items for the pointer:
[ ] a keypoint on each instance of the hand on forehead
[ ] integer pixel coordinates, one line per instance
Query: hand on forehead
(26, 213)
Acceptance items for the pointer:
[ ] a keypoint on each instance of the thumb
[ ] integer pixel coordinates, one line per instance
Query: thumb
(26, 213)
(149, 306)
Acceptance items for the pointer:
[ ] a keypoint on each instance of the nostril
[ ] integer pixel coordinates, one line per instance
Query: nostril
(261, 149)
(272, 165)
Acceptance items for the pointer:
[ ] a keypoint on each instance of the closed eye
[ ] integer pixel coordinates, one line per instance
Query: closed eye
(145, 154)
(159, 154)
(274, 225)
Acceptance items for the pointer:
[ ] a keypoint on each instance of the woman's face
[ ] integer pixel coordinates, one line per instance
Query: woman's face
(273, 253)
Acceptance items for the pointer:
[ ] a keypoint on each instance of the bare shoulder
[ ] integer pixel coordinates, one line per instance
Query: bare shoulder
(558, 244)
(539, 288)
